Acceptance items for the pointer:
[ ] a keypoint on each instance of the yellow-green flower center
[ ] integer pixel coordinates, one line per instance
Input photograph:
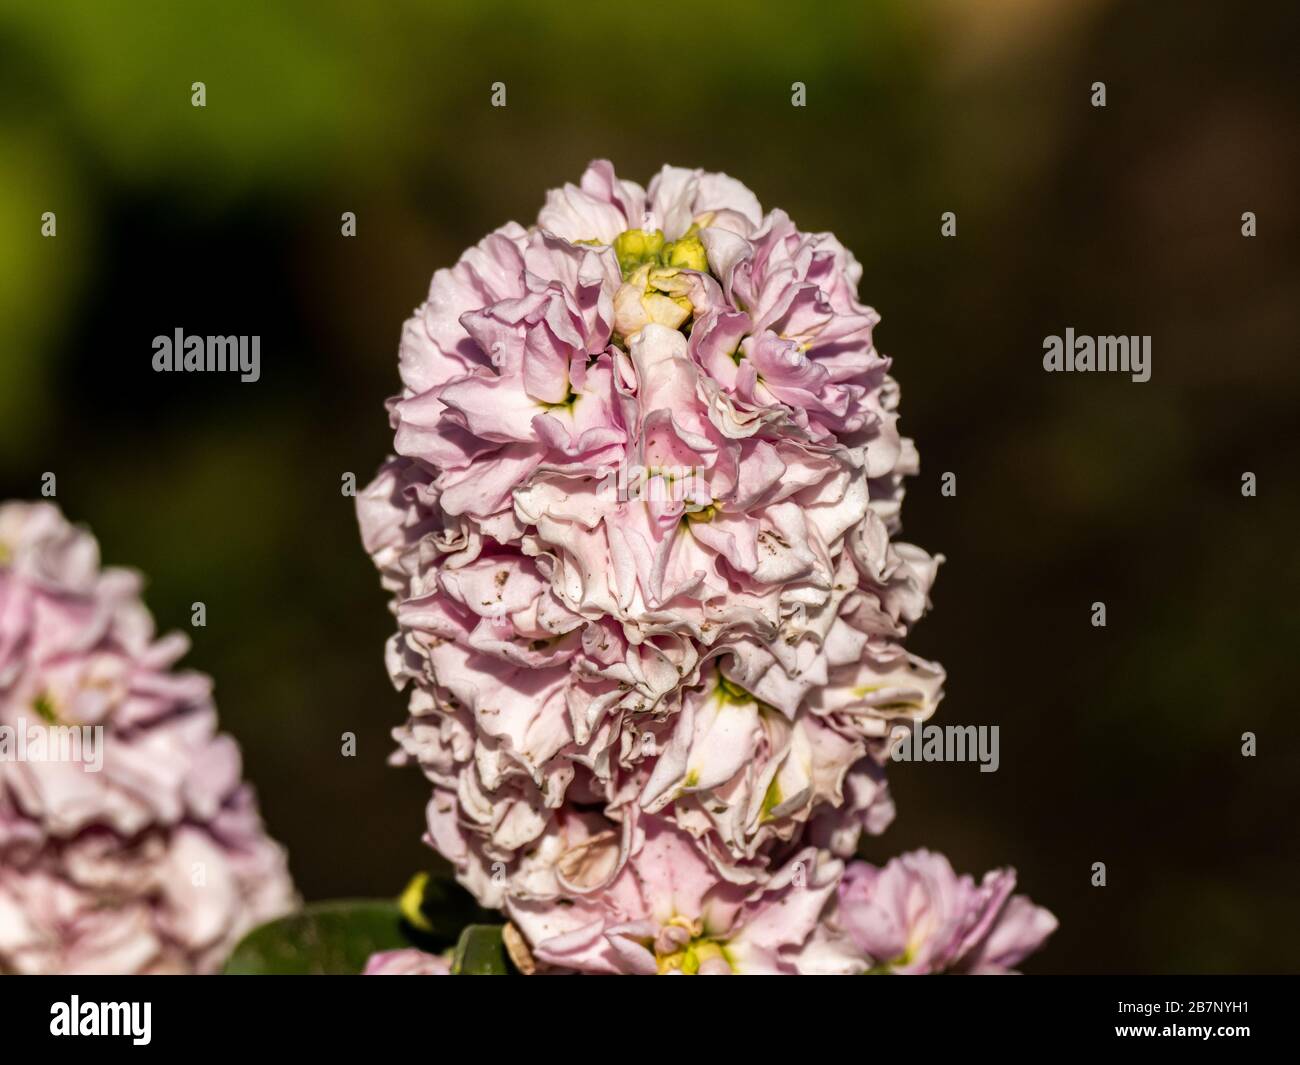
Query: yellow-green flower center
(731, 692)
(44, 706)
(692, 957)
(771, 800)
(635, 248)
(886, 968)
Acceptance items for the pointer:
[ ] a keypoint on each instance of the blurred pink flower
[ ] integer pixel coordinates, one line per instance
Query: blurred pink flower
(917, 916)
(129, 843)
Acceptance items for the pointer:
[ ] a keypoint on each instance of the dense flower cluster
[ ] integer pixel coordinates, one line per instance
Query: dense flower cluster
(639, 534)
(128, 842)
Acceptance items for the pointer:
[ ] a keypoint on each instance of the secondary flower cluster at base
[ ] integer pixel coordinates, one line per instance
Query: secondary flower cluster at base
(655, 721)
(154, 860)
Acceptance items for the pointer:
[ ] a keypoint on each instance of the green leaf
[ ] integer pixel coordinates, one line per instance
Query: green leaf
(326, 938)
(481, 952)
(338, 937)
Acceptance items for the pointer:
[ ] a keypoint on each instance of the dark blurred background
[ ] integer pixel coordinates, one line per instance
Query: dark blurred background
(1120, 745)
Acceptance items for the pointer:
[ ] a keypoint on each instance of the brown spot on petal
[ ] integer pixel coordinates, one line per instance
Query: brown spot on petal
(591, 863)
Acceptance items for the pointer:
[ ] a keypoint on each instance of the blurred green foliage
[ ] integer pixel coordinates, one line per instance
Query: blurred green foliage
(323, 939)
(1118, 745)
